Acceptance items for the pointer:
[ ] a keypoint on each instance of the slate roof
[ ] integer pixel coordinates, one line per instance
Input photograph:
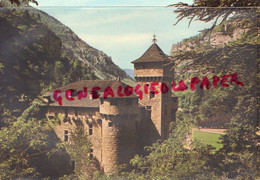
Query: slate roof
(153, 54)
(88, 101)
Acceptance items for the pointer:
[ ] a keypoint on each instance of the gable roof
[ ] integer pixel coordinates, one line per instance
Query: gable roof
(153, 54)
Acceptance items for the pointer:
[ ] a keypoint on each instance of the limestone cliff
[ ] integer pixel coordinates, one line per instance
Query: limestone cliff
(229, 31)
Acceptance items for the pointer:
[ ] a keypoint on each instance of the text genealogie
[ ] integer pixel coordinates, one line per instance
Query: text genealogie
(152, 87)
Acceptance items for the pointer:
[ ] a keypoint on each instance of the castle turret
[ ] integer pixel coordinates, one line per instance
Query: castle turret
(119, 124)
(154, 72)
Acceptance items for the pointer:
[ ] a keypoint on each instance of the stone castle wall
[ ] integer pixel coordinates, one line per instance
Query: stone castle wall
(119, 132)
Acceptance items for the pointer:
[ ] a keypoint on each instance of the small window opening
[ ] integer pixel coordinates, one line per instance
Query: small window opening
(51, 117)
(149, 108)
(91, 154)
(90, 129)
(66, 113)
(110, 124)
(152, 94)
(66, 135)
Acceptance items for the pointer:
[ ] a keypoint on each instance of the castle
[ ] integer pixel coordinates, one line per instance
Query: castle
(121, 126)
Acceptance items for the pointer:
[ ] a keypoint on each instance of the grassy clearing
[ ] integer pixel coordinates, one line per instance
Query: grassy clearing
(208, 138)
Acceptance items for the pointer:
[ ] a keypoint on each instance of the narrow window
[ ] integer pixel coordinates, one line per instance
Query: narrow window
(90, 129)
(110, 124)
(66, 113)
(91, 154)
(76, 112)
(66, 135)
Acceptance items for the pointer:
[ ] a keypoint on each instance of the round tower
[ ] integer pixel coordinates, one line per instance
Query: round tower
(119, 127)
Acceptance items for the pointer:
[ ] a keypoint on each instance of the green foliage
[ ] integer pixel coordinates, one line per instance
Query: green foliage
(32, 53)
(172, 159)
(234, 107)
(208, 138)
(21, 143)
(18, 2)
(208, 10)
(28, 142)
(79, 149)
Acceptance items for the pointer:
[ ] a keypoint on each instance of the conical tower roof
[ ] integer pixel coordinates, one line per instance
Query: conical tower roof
(153, 54)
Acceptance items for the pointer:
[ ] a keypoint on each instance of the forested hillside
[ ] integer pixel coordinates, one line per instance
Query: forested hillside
(38, 53)
(230, 48)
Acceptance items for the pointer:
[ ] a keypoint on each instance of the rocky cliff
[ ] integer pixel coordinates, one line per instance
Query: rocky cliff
(229, 31)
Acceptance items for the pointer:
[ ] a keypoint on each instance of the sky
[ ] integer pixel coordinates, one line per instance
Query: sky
(123, 29)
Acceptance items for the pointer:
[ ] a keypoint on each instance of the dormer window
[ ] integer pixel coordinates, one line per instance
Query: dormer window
(73, 92)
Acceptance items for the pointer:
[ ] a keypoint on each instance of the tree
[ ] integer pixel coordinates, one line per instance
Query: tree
(18, 2)
(25, 146)
(208, 10)
(238, 157)
(176, 157)
(79, 148)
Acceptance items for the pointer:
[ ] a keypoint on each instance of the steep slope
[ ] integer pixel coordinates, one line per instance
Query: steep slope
(36, 57)
(75, 48)
(232, 49)
(229, 31)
